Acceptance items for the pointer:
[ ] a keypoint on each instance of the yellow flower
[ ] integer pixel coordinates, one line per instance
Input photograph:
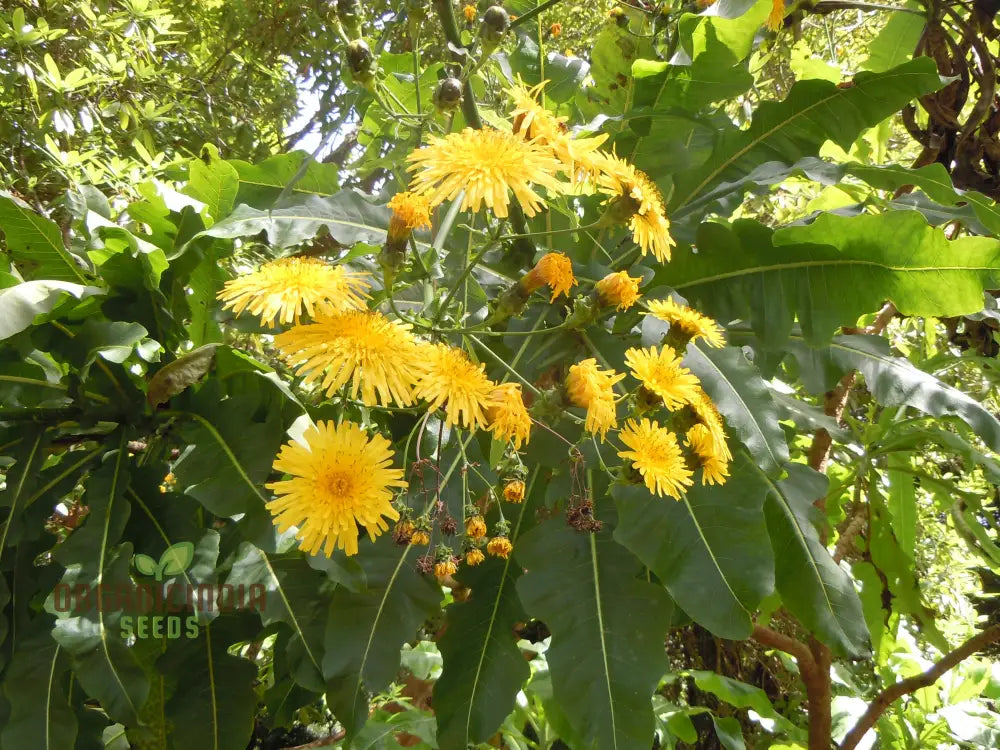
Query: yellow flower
(714, 466)
(486, 164)
(509, 420)
(475, 527)
(691, 322)
(777, 15)
(554, 269)
(470, 13)
(473, 557)
(591, 388)
(513, 491)
(378, 356)
(420, 538)
(640, 197)
(450, 379)
(656, 456)
(619, 289)
(281, 290)
(555, 29)
(409, 212)
(709, 416)
(499, 546)
(533, 122)
(340, 479)
(445, 569)
(660, 371)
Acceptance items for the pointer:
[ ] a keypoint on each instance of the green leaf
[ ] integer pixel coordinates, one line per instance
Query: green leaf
(348, 216)
(812, 113)
(40, 716)
(564, 74)
(742, 695)
(894, 44)
(745, 271)
(20, 304)
(729, 732)
(36, 244)
(607, 626)
(20, 482)
(365, 630)
(214, 182)
(144, 564)
(611, 57)
(812, 586)
(483, 667)
(744, 399)
(176, 558)
(710, 549)
(902, 502)
(263, 182)
(178, 375)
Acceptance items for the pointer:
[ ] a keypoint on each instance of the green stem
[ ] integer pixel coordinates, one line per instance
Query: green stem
(568, 230)
(499, 360)
(461, 279)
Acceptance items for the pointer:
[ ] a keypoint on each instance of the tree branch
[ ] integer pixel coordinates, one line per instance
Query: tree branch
(911, 684)
(767, 637)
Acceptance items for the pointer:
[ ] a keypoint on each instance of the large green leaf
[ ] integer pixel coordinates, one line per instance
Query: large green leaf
(607, 626)
(744, 399)
(214, 182)
(831, 272)
(365, 630)
(710, 549)
(36, 243)
(813, 112)
(20, 304)
(347, 215)
(262, 183)
(812, 586)
(894, 44)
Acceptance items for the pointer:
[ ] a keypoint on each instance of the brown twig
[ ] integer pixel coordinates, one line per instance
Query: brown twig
(911, 684)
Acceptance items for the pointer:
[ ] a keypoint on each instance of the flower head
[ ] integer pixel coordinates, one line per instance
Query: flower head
(280, 291)
(555, 29)
(445, 568)
(475, 527)
(656, 456)
(486, 164)
(339, 480)
(420, 537)
(450, 379)
(513, 491)
(470, 13)
(473, 557)
(377, 355)
(554, 269)
(499, 546)
(638, 201)
(709, 416)
(690, 322)
(409, 212)
(592, 388)
(619, 289)
(508, 417)
(660, 371)
(714, 465)
(777, 15)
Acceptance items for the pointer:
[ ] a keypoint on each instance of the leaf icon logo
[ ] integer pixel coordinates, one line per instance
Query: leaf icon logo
(175, 560)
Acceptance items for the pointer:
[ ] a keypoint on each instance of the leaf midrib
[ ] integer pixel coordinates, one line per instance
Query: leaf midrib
(604, 646)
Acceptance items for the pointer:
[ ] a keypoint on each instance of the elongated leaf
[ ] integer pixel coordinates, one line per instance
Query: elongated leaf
(347, 215)
(36, 243)
(262, 183)
(895, 43)
(21, 482)
(483, 668)
(39, 717)
(607, 626)
(742, 695)
(902, 502)
(814, 112)
(812, 586)
(711, 549)
(20, 304)
(183, 372)
(214, 182)
(744, 399)
(365, 630)
(746, 271)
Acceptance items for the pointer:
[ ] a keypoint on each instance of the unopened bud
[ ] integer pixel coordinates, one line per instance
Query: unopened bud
(496, 21)
(360, 59)
(448, 94)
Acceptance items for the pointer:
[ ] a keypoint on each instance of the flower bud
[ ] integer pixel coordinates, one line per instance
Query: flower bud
(496, 21)
(360, 60)
(448, 94)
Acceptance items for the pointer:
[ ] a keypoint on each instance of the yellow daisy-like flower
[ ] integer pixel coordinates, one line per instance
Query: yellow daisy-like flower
(532, 121)
(619, 289)
(513, 491)
(378, 356)
(640, 197)
(592, 388)
(709, 416)
(486, 164)
(340, 479)
(499, 546)
(445, 569)
(691, 322)
(409, 212)
(777, 15)
(714, 466)
(601, 417)
(420, 538)
(280, 291)
(509, 419)
(553, 269)
(475, 527)
(473, 557)
(470, 13)
(450, 379)
(656, 456)
(660, 371)
(555, 29)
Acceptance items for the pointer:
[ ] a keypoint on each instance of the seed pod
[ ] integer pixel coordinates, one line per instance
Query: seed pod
(360, 59)
(448, 94)
(496, 21)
